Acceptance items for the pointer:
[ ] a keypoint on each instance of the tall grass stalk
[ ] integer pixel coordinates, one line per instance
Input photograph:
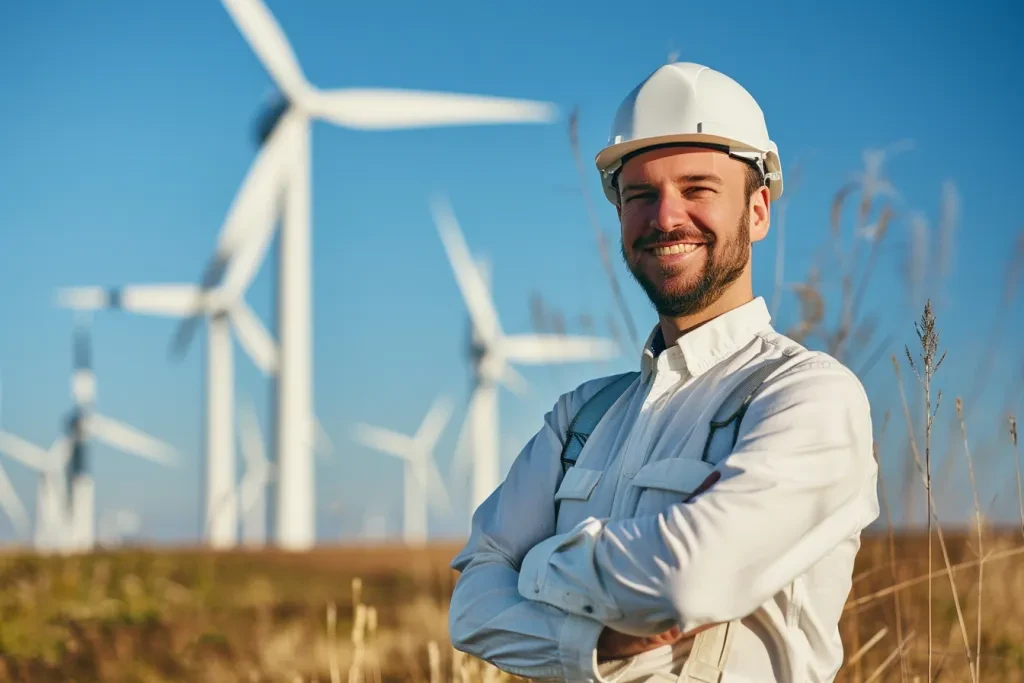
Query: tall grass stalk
(978, 523)
(1016, 465)
(928, 336)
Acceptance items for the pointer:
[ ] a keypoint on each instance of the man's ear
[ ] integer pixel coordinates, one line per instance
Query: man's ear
(760, 213)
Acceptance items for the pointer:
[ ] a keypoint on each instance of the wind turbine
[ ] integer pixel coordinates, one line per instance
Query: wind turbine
(492, 353)
(232, 268)
(423, 484)
(361, 109)
(84, 424)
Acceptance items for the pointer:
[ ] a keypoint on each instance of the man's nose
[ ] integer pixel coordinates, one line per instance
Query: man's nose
(671, 213)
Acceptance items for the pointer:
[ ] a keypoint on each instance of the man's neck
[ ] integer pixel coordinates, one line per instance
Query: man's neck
(674, 328)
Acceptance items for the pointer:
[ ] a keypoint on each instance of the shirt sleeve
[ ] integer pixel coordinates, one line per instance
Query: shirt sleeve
(487, 617)
(800, 480)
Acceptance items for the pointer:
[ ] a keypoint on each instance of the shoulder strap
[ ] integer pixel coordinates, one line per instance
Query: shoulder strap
(585, 421)
(733, 408)
(706, 663)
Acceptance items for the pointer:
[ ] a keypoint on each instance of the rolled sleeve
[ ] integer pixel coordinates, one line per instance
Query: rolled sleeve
(800, 480)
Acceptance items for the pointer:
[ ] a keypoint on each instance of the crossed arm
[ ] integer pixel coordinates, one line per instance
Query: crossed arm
(799, 481)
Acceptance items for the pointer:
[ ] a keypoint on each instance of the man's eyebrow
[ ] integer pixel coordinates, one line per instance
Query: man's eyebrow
(680, 180)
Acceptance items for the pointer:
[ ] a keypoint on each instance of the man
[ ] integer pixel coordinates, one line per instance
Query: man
(656, 556)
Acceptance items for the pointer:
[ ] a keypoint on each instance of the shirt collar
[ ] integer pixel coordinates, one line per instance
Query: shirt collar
(702, 348)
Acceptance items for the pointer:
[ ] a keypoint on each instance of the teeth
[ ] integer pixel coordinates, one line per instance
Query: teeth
(676, 249)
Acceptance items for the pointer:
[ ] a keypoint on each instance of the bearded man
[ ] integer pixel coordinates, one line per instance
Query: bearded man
(697, 519)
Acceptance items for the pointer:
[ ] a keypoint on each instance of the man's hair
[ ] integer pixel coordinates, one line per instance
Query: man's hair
(754, 182)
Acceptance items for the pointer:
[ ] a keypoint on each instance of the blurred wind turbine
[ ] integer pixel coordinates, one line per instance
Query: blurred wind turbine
(492, 353)
(423, 484)
(360, 109)
(220, 298)
(83, 424)
(9, 501)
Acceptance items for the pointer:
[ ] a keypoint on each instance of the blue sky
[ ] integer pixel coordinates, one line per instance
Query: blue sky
(127, 127)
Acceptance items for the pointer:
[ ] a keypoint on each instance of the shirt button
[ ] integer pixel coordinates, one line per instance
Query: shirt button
(588, 609)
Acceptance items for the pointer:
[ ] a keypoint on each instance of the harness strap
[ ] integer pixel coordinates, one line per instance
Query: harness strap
(585, 421)
(706, 662)
(734, 407)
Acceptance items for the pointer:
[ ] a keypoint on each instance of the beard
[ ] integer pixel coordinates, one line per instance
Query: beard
(724, 263)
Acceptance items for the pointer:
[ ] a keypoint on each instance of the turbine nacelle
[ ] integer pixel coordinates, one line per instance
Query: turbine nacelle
(271, 114)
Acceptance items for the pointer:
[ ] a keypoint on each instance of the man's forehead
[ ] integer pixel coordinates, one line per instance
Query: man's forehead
(676, 161)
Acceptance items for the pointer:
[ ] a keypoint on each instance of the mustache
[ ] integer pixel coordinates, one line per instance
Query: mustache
(658, 239)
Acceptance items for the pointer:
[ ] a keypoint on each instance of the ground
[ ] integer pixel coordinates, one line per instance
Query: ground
(380, 614)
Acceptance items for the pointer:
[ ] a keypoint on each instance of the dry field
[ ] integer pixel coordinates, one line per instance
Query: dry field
(380, 614)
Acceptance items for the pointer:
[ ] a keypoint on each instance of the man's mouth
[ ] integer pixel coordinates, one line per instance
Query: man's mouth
(676, 249)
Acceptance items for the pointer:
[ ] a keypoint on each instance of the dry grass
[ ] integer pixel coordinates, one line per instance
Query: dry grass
(372, 615)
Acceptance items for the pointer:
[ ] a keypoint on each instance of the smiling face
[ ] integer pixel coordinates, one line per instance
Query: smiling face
(688, 217)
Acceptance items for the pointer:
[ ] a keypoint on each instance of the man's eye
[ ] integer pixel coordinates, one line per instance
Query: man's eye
(639, 195)
(699, 191)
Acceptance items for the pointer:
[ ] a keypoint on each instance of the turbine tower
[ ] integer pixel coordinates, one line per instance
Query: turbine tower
(423, 485)
(363, 109)
(492, 353)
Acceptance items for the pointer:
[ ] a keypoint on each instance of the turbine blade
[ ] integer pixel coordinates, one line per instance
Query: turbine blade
(249, 227)
(384, 440)
(253, 484)
(538, 349)
(12, 505)
(474, 291)
(380, 109)
(462, 458)
(28, 454)
(434, 423)
(322, 441)
(129, 439)
(172, 300)
(264, 35)
(261, 185)
(437, 494)
(252, 438)
(254, 338)
(513, 381)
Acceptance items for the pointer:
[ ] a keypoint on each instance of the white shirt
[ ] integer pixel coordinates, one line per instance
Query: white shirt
(771, 543)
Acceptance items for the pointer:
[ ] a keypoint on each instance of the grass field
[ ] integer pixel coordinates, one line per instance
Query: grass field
(380, 614)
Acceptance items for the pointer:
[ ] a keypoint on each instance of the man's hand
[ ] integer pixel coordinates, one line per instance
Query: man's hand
(614, 645)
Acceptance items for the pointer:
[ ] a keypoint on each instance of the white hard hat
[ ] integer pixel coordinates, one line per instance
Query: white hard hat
(686, 103)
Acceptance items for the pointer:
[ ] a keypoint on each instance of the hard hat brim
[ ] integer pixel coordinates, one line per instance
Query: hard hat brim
(608, 159)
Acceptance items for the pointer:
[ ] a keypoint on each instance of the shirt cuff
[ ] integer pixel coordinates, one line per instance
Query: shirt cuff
(577, 648)
(543, 577)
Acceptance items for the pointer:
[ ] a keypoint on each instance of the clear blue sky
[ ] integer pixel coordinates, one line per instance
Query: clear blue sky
(126, 128)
